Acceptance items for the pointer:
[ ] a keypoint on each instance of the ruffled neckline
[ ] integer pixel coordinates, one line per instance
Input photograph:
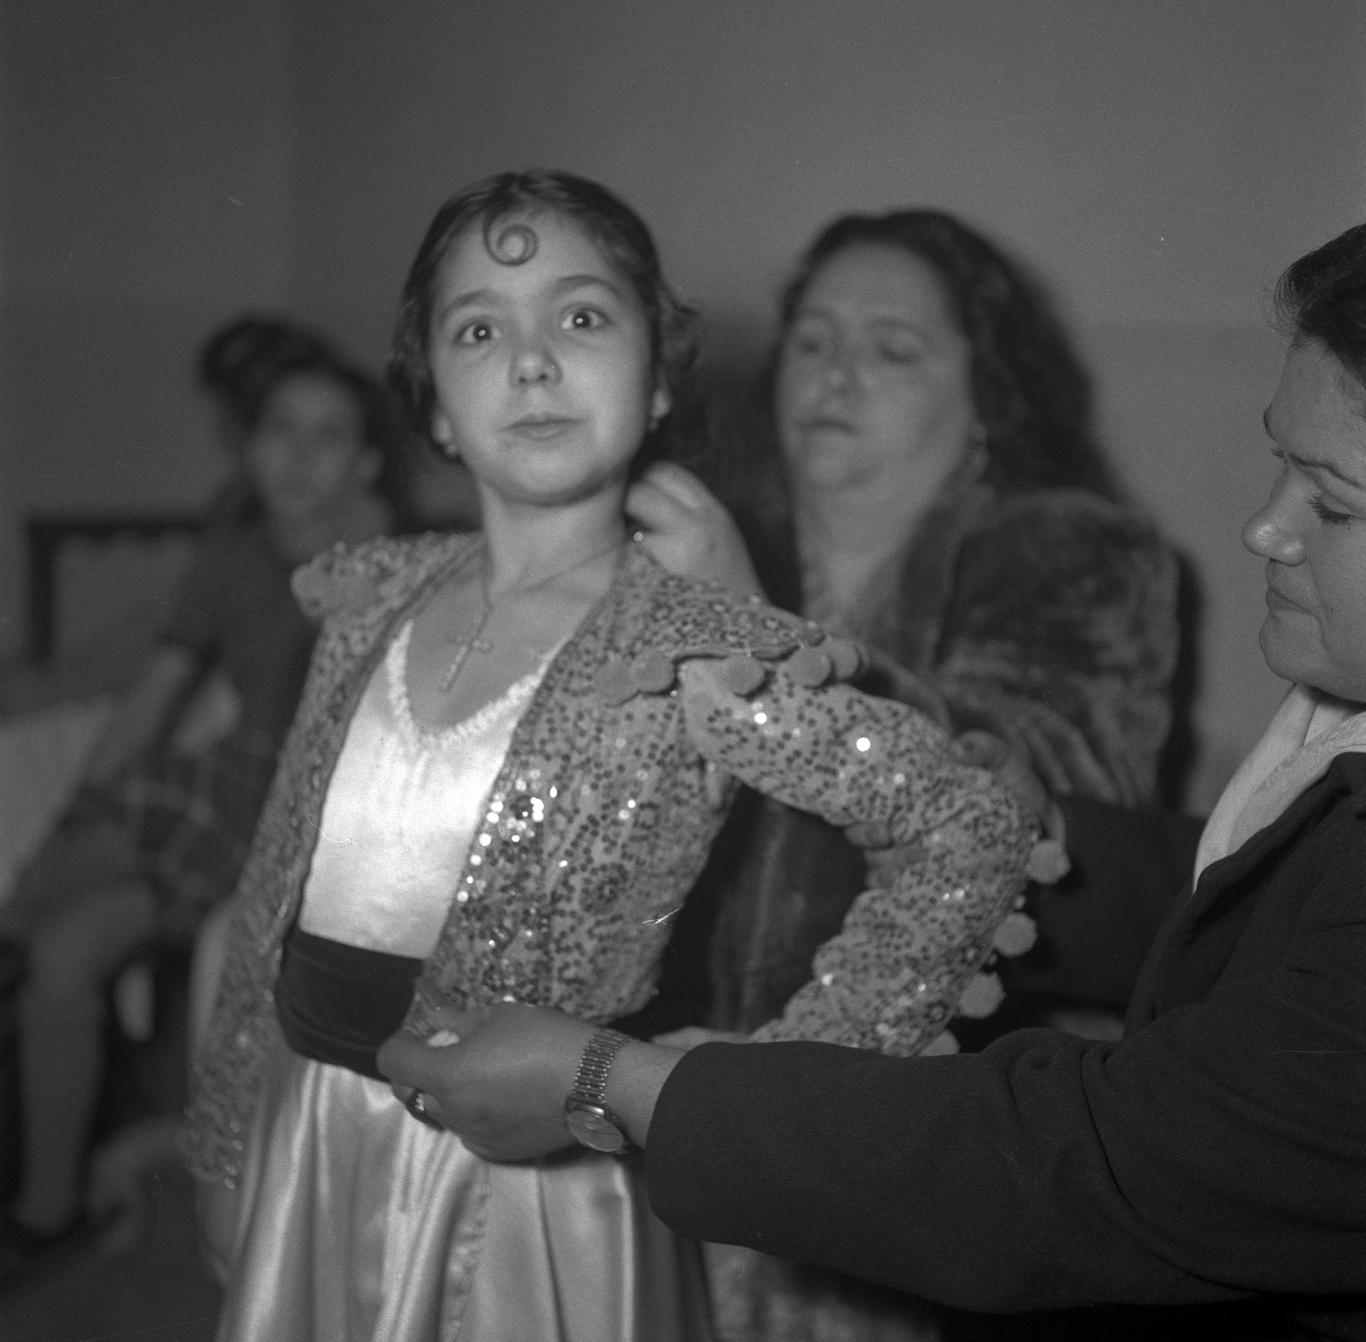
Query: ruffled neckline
(444, 738)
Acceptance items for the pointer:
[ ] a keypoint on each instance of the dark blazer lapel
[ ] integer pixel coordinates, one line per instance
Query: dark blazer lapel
(1195, 943)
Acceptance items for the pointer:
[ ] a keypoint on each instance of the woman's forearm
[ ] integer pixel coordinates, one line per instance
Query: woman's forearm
(638, 1075)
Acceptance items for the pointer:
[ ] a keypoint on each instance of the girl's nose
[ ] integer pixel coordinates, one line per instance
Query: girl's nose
(534, 362)
(1270, 533)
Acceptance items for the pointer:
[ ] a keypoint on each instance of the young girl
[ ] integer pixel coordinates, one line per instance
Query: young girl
(513, 753)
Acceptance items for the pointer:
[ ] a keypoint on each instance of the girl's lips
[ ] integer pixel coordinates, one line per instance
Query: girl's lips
(541, 427)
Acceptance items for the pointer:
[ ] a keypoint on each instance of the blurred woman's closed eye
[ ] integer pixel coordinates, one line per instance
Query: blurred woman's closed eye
(901, 354)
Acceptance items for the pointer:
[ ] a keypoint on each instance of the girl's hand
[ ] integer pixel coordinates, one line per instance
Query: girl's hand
(688, 531)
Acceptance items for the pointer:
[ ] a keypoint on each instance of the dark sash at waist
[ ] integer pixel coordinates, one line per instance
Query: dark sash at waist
(338, 1003)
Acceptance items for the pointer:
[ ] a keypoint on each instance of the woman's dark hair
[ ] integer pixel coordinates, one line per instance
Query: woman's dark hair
(239, 358)
(511, 199)
(368, 394)
(1030, 392)
(1322, 297)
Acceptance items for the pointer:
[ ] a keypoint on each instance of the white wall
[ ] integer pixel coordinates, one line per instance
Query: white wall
(1157, 161)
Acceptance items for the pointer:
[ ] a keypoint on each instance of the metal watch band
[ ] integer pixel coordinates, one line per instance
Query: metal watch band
(590, 1085)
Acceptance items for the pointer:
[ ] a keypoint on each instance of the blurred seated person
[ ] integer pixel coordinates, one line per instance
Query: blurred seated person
(153, 838)
(228, 368)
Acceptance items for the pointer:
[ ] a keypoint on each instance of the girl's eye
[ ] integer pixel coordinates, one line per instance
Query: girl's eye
(474, 333)
(585, 319)
(1326, 514)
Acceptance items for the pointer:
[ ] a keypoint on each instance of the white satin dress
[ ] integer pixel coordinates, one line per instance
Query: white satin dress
(360, 1224)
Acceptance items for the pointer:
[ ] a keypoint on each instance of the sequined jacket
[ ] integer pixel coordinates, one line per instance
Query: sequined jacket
(616, 781)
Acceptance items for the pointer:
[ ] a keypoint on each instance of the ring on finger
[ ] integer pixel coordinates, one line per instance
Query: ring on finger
(416, 1104)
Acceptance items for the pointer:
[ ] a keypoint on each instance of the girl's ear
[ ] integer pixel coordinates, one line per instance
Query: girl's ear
(661, 402)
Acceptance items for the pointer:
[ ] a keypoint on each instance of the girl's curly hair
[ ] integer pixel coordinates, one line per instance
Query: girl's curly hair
(511, 199)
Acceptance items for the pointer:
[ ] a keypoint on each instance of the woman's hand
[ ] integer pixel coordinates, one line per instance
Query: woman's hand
(688, 531)
(501, 1086)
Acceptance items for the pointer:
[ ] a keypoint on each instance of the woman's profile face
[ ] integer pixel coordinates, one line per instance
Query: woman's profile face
(873, 385)
(1312, 531)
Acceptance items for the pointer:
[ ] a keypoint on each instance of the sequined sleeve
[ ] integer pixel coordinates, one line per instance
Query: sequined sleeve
(895, 974)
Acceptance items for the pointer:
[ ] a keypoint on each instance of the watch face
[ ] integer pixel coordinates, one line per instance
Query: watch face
(590, 1125)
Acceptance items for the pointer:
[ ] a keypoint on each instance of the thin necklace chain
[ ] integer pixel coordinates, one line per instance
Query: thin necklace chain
(476, 642)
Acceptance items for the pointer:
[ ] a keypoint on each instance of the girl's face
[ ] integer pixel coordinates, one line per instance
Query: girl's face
(307, 456)
(542, 370)
(873, 376)
(1312, 532)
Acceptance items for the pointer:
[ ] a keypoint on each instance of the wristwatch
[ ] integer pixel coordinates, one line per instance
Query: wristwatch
(590, 1122)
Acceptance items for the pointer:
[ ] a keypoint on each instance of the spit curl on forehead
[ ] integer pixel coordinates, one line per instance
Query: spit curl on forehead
(510, 242)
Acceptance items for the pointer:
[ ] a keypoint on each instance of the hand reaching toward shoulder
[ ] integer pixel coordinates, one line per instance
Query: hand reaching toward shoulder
(688, 531)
